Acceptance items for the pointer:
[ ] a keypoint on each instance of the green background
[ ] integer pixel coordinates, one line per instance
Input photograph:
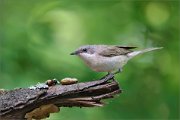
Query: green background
(37, 36)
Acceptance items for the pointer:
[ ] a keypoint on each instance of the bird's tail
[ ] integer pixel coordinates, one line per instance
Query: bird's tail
(132, 54)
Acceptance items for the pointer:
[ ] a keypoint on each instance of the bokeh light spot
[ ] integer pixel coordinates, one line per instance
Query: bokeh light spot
(157, 14)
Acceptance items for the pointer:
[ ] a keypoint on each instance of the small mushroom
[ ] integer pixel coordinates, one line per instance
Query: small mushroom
(68, 81)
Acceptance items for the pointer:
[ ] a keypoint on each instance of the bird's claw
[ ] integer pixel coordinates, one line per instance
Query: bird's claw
(109, 76)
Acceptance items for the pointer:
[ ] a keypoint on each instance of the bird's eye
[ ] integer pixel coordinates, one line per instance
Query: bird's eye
(84, 50)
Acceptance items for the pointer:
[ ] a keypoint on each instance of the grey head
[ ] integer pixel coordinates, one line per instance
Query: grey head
(88, 49)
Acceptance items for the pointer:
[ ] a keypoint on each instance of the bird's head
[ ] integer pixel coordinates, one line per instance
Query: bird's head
(84, 50)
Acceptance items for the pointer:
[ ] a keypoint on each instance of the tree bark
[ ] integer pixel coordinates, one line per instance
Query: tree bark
(15, 104)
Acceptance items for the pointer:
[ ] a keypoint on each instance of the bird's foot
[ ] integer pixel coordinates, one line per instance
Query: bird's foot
(108, 76)
(111, 74)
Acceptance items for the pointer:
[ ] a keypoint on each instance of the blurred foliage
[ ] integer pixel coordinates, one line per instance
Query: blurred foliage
(36, 38)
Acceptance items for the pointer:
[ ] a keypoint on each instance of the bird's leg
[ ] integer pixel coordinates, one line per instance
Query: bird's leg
(109, 75)
(119, 71)
(106, 75)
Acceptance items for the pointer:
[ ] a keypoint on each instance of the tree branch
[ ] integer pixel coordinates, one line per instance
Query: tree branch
(15, 104)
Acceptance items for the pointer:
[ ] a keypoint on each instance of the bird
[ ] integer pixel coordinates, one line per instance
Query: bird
(108, 58)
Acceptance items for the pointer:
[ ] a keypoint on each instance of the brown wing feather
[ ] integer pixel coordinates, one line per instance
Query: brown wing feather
(115, 51)
(126, 47)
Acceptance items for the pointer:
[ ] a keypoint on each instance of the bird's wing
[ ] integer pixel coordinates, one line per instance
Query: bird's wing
(111, 51)
(126, 47)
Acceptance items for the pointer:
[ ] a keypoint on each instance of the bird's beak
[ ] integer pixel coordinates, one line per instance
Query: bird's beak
(74, 53)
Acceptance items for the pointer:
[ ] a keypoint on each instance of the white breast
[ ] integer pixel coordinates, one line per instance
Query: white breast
(104, 64)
